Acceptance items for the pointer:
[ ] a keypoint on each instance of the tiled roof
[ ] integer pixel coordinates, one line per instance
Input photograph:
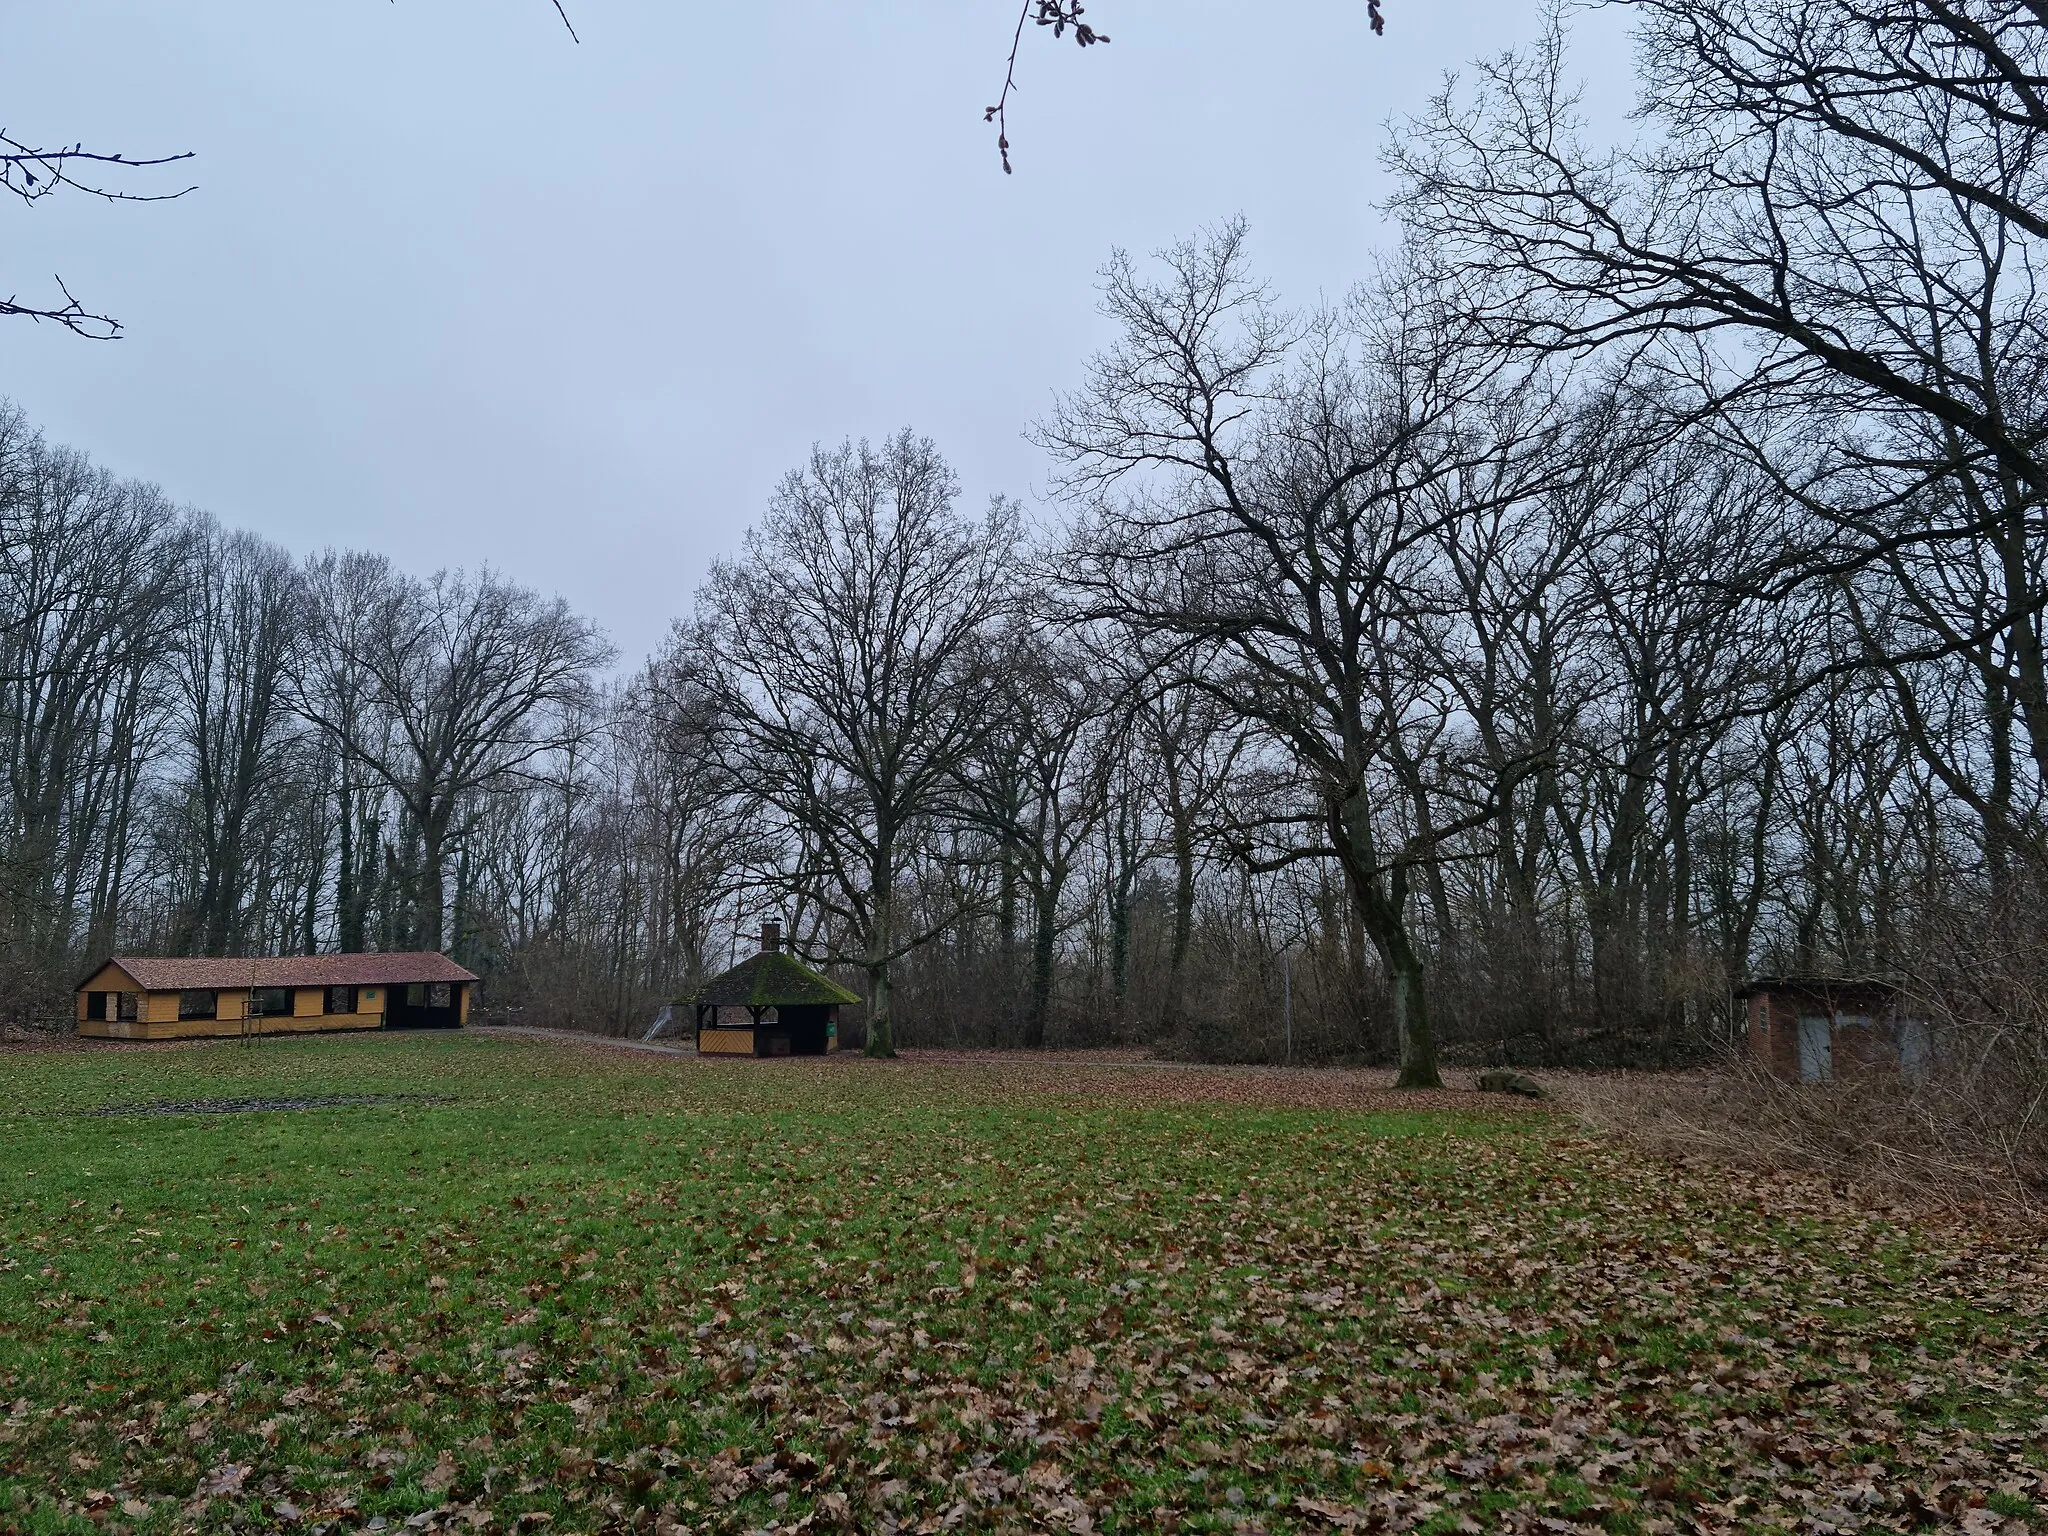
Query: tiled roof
(157, 973)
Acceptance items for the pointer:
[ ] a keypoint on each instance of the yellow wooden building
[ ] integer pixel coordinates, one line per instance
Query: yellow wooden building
(153, 997)
(770, 1004)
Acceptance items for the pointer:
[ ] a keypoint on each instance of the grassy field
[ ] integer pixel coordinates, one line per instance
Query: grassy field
(566, 1289)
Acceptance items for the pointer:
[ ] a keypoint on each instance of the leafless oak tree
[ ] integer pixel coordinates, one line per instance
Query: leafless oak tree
(1266, 492)
(466, 681)
(850, 642)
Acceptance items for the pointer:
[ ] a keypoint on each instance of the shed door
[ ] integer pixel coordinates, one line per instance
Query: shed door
(1816, 1048)
(1916, 1048)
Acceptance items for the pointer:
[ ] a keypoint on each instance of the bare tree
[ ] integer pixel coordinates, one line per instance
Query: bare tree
(848, 646)
(88, 569)
(1052, 705)
(1190, 743)
(1828, 240)
(332, 686)
(240, 608)
(1949, 91)
(476, 677)
(1842, 281)
(1282, 482)
(696, 818)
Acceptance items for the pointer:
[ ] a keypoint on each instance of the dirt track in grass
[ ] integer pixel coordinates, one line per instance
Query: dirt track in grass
(606, 1291)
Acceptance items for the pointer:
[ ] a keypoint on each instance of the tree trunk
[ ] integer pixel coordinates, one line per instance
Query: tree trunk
(1120, 942)
(348, 901)
(1414, 1033)
(224, 890)
(881, 1026)
(1183, 920)
(1382, 899)
(881, 1030)
(1003, 1014)
(433, 893)
(459, 913)
(1045, 922)
(309, 928)
(1412, 1026)
(1997, 815)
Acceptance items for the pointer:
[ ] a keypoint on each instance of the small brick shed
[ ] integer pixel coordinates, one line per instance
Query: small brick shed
(1810, 1029)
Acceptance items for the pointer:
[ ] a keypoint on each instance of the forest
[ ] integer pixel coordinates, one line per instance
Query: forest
(1632, 587)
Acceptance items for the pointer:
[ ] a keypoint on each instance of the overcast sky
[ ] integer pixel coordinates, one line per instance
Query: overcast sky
(455, 288)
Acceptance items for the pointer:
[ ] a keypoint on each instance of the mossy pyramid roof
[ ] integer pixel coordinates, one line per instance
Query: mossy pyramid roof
(772, 979)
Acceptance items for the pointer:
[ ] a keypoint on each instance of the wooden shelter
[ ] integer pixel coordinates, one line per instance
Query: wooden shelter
(138, 997)
(1814, 1028)
(770, 1004)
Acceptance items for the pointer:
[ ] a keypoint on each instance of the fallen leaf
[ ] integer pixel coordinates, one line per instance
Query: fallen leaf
(441, 1476)
(224, 1481)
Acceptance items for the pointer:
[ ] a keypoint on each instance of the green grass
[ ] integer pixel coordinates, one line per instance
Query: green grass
(597, 1291)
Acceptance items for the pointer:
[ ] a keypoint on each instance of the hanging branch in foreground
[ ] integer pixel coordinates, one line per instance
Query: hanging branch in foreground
(1060, 15)
(71, 314)
(32, 173)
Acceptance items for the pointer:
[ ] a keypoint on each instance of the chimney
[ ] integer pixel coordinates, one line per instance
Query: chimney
(771, 936)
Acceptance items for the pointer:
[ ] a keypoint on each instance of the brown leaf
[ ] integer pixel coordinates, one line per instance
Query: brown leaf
(224, 1481)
